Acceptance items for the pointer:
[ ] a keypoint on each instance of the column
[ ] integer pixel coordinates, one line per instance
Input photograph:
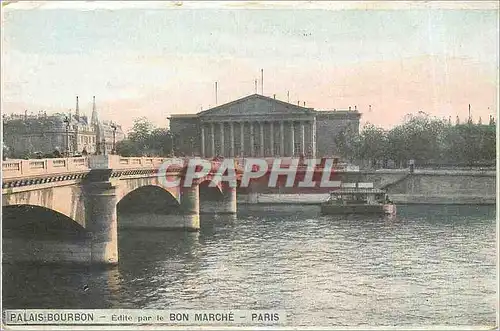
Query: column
(262, 139)
(271, 130)
(292, 138)
(222, 149)
(212, 137)
(232, 138)
(313, 137)
(302, 139)
(202, 140)
(252, 147)
(282, 137)
(242, 138)
(100, 218)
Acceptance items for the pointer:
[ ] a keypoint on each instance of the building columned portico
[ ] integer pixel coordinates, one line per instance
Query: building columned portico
(257, 126)
(259, 137)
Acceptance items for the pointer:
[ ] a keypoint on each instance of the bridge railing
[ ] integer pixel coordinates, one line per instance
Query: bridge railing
(37, 167)
(26, 168)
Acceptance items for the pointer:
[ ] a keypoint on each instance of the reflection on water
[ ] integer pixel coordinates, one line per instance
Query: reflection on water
(429, 265)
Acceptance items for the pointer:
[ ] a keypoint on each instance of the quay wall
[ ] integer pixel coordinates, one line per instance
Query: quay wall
(420, 187)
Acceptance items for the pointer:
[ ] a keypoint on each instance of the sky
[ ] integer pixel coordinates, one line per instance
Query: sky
(160, 58)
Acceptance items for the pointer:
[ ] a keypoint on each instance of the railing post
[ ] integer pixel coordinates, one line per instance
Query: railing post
(25, 164)
(48, 165)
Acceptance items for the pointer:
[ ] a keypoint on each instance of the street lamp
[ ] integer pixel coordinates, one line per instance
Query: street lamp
(66, 120)
(113, 150)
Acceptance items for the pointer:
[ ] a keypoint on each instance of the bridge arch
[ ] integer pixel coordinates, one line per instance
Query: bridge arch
(40, 222)
(210, 192)
(128, 186)
(148, 199)
(37, 234)
(52, 199)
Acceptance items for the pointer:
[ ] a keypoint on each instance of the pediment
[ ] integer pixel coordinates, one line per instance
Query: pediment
(255, 105)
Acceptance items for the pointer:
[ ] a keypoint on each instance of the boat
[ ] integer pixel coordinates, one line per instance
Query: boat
(356, 200)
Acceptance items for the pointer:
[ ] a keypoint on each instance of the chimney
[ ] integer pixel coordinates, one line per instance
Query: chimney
(355, 108)
(274, 96)
(288, 96)
(298, 103)
(77, 111)
(304, 103)
(216, 103)
(349, 108)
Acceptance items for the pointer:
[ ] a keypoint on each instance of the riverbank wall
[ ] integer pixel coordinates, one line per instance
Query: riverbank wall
(460, 187)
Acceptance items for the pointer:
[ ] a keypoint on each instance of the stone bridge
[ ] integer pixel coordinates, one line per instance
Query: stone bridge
(90, 190)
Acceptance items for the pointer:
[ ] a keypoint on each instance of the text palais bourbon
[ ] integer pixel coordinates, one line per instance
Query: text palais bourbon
(27, 317)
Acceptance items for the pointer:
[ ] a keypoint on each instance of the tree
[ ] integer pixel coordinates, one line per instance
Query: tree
(141, 131)
(373, 144)
(160, 142)
(146, 139)
(488, 142)
(127, 148)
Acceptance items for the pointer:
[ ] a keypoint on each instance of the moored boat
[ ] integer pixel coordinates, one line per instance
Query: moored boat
(358, 201)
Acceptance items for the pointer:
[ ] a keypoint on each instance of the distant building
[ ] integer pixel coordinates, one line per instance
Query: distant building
(68, 133)
(260, 126)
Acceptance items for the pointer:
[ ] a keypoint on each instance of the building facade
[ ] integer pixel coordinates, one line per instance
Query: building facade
(71, 134)
(259, 126)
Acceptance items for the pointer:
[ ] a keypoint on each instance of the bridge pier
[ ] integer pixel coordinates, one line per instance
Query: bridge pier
(100, 208)
(228, 205)
(190, 208)
(224, 204)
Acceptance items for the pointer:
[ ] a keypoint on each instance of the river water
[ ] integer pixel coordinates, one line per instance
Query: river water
(431, 265)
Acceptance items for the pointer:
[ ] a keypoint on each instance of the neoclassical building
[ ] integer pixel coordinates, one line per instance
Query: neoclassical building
(259, 126)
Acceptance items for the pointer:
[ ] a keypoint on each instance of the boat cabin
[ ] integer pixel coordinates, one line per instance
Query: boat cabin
(365, 196)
